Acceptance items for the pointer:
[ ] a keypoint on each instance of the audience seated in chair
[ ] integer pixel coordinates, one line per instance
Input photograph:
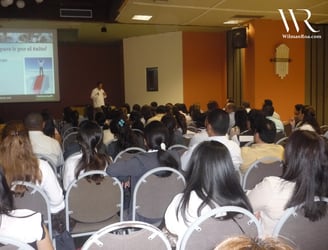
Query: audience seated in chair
(212, 182)
(21, 224)
(21, 164)
(41, 143)
(263, 146)
(90, 158)
(304, 177)
(309, 121)
(217, 125)
(156, 137)
(124, 137)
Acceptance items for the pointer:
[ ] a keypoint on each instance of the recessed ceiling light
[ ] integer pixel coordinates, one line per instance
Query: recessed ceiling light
(232, 22)
(142, 17)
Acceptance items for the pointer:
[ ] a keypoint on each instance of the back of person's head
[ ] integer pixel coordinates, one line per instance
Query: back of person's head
(171, 123)
(156, 134)
(17, 157)
(245, 104)
(230, 107)
(90, 139)
(157, 138)
(147, 112)
(266, 130)
(267, 102)
(34, 121)
(89, 135)
(67, 114)
(219, 121)
(246, 243)
(135, 120)
(123, 133)
(212, 173)
(136, 107)
(309, 117)
(268, 110)
(6, 198)
(306, 164)
(100, 118)
(212, 105)
(241, 119)
(161, 109)
(255, 116)
(299, 107)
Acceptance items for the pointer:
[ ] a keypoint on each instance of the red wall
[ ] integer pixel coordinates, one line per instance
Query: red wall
(80, 67)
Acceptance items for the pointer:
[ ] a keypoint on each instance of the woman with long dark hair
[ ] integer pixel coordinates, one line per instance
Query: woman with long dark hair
(305, 176)
(212, 182)
(157, 141)
(90, 157)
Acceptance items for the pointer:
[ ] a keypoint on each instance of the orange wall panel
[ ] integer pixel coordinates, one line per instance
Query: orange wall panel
(286, 92)
(204, 68)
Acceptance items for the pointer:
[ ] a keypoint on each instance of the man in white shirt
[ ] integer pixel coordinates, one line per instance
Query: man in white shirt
(217, 125)
(98, 96)
(41, 143)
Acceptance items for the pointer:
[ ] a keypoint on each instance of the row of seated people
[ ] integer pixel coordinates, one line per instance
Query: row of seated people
(16, 141)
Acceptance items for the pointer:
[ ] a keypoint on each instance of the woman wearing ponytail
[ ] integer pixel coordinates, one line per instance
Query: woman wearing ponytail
(156, 140)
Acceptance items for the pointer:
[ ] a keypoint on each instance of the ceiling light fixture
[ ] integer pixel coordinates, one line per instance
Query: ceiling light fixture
(141, 17)
(19, 3)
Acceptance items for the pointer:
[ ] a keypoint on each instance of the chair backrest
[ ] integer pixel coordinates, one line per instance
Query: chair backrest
(266, 166)
(128, 153)
(128, 235)
(51, 163)
(69, 130)
(179, 148)
(35, 199)
(88, 202)
(69, 139)
(209, 230)
(13, 244)
(282, 141)
(152, 194)
(300, 232)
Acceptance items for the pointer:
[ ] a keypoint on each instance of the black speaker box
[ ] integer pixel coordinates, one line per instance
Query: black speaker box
(239, 38)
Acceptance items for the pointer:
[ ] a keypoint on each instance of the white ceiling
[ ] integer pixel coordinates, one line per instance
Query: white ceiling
(175, 15)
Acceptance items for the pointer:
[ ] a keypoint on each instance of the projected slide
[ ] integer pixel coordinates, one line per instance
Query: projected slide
(28, 66)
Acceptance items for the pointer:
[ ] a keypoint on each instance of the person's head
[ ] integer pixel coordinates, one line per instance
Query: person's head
(306, 164)
(89, 136)
(6, 198)
(213, 177)
(16, 154)
(171, 123)
(156, 133)
(217, 122)
(212, 105)
(245, 105)
(244, 242)
(122, 131)
(100, 85)
(34, 122)
(267, 102)
(298, 115)
(90, 139)
(309, 117)
(265, 131)
(230, 107)
(241, 119)
(157, 138)
(268, 110)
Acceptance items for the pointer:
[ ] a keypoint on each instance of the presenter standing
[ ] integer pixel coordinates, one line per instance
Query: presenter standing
(98, 96)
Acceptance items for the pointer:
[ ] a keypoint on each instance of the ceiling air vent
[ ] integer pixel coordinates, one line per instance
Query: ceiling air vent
(75, 13)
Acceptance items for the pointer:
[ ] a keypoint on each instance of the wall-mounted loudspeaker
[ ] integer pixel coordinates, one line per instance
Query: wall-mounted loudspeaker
(239, 37)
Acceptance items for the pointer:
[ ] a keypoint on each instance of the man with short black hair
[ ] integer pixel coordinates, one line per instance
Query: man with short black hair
(264, 146)
(217, 125)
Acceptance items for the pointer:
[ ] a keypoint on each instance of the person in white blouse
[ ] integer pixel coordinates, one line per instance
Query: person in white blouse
(20, 164)
(98, 96)
(21, 224)
(90, 138)
(305, 176)
(212, 182)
